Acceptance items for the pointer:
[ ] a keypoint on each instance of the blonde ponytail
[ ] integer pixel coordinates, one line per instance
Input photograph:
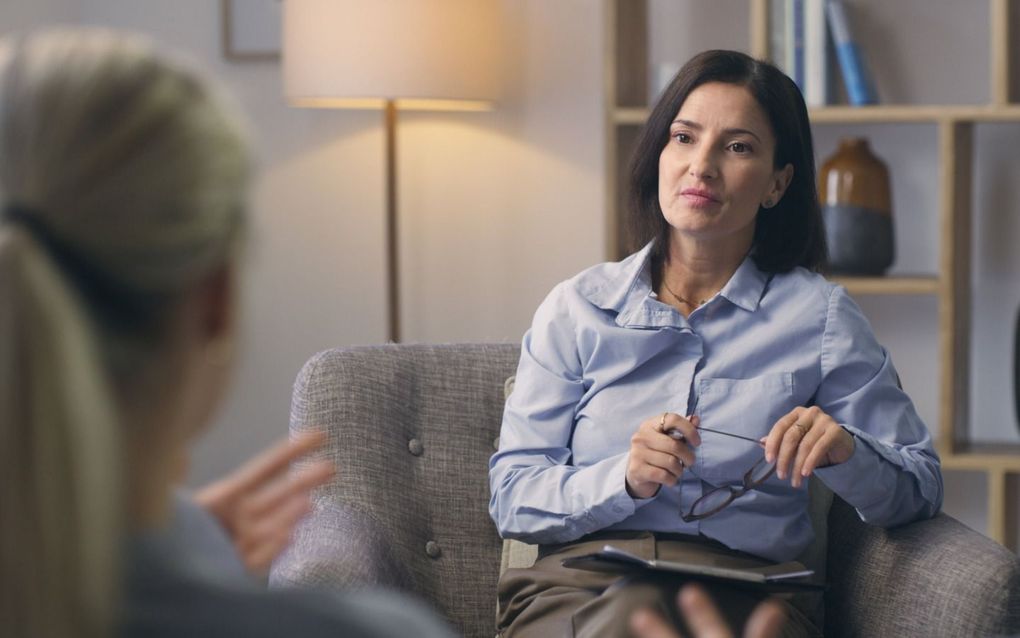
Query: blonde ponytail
(59, 450)
(129, 173)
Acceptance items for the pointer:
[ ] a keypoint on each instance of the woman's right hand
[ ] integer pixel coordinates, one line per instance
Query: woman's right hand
(658, 459)
(260, 504)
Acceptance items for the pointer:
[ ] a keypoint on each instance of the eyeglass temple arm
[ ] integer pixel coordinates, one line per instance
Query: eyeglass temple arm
(736, 436)
(677, 434)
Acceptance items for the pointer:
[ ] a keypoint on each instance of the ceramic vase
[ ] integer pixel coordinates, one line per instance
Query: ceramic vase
(853, 186)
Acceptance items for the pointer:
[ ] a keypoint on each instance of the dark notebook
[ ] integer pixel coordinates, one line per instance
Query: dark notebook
(789, 577)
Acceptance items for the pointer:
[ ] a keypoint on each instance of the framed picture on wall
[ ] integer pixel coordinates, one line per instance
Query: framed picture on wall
(251, 29)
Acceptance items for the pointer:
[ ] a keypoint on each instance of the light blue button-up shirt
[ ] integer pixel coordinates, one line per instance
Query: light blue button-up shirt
(604, 354)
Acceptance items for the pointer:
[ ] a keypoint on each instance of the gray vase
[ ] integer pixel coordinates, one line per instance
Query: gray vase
(860, 240)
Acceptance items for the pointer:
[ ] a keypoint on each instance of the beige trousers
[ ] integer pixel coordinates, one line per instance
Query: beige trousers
(548, 600)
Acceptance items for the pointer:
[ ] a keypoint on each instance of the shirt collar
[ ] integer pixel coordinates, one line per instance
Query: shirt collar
(747, 286)
(618, 285)
(626, 286)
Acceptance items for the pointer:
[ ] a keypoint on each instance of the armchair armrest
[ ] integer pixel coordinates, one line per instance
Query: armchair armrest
(929, 578)
(339, 548)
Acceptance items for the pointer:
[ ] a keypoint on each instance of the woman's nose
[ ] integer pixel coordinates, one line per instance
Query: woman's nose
(703, 164)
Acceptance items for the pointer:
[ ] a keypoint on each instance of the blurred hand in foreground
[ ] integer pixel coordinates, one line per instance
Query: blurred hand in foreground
(260, 503)
(705, 621)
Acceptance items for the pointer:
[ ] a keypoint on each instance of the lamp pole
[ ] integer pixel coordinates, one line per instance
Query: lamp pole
(392, 242)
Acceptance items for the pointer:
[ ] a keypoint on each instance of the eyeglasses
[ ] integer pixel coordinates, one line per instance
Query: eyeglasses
(715, 500)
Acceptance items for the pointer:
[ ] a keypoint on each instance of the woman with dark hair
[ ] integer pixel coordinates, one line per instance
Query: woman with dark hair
(675, 403)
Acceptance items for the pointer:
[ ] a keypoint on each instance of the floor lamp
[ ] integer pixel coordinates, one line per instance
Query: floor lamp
(391, 55)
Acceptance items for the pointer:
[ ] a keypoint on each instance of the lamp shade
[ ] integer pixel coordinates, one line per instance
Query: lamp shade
(420, 53)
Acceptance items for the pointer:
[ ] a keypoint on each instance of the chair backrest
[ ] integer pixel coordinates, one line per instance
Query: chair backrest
(411, 430)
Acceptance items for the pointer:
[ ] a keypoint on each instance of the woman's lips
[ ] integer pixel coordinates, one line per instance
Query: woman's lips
(699, 197)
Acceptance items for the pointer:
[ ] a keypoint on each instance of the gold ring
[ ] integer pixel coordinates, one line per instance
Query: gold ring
(662, 422)
(803, 429)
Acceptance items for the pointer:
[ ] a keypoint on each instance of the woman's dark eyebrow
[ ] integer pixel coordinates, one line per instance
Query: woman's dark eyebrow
(729, 131)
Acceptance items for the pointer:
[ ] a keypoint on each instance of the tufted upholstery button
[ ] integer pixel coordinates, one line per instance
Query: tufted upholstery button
(432, 549)
(495, 443)
(415, 447)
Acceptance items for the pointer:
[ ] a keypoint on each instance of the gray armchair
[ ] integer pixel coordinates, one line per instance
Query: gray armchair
(411, 429)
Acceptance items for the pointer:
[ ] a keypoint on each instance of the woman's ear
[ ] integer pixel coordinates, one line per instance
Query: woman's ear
(780, 182)
(217, 299)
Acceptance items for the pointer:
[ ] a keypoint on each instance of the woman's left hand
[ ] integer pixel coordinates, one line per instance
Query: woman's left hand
(805, 439)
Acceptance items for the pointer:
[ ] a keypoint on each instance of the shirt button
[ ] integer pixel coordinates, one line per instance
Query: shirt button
(432, 549)
(495, 443)
(415, 447)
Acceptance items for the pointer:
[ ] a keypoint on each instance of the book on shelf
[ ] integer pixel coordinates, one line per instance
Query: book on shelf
(816, 54)
(799, 43)
(806, 36)
(860, 87)
(777, 34)
(793, 51)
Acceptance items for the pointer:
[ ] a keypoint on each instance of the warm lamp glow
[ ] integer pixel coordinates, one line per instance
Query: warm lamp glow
(435, 55)
(430, 54)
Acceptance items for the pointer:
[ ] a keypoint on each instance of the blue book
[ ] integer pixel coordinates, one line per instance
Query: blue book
(795, 18)
(860, 88)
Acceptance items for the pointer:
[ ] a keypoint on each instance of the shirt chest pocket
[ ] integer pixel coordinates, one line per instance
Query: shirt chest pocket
(747, 407)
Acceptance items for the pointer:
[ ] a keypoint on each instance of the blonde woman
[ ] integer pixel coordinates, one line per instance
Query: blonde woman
(122, 187)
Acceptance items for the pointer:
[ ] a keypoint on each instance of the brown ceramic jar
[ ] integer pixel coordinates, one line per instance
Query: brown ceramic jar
(853, 185)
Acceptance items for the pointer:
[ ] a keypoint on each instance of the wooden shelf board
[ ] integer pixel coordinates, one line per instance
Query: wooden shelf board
(895, 113)
(889, 285)
(984, 456)
(888, 114)
(630, 115)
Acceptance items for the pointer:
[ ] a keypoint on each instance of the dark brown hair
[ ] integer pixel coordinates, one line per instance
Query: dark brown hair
(788, 235)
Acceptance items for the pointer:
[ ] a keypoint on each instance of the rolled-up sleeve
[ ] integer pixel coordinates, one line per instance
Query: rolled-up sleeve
(538, 495)
(894, 475)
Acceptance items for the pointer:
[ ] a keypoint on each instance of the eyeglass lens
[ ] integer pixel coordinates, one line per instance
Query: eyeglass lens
(715, 500)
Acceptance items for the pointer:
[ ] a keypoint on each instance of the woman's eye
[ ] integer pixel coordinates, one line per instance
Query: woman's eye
(740, 147)
(683, 138)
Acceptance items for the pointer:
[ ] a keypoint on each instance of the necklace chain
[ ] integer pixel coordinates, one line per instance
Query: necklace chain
(686, 302)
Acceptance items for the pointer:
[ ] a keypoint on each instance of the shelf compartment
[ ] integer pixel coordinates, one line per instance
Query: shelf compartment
(630, 116)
